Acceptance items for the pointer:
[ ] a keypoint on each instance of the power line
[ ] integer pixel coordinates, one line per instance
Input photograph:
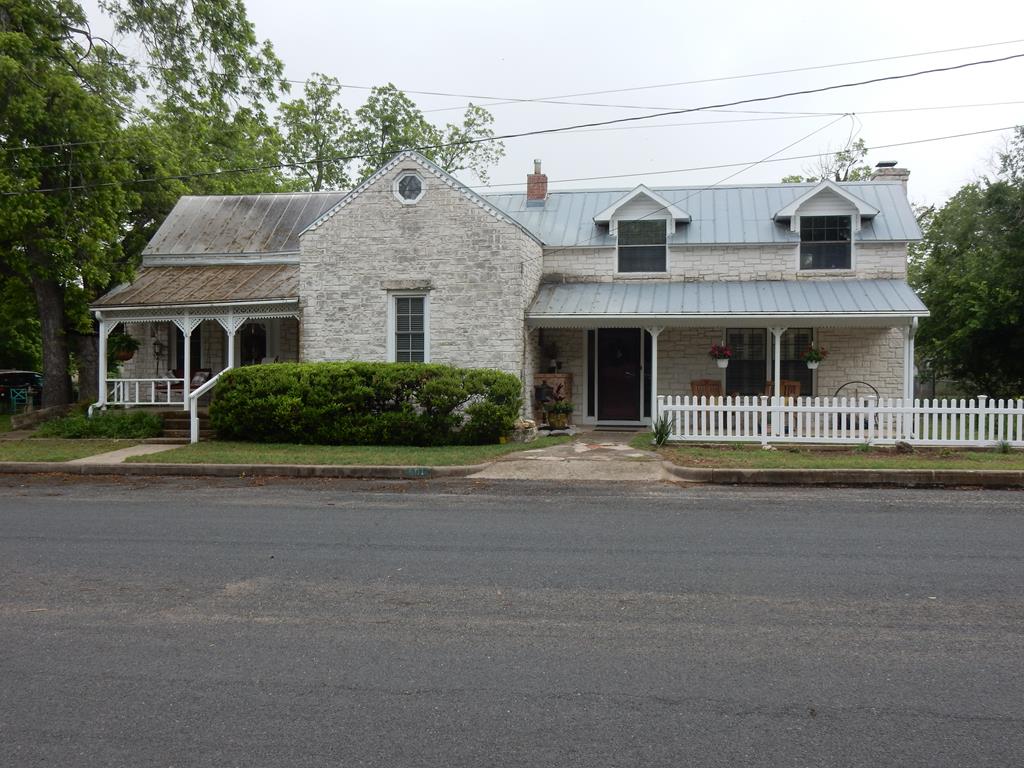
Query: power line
(541, 131)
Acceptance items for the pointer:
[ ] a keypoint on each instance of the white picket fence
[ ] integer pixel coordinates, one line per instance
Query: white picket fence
(977, 422)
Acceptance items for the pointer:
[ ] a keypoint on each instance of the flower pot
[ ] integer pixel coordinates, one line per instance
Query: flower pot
(723, 362)
(124, 355)
(558, 420)
(813, 364)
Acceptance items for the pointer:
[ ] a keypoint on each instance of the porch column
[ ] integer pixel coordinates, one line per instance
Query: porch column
(101, 364)
(908, 361)
(186, 325)
(777, 376)
(654, 330)
(231, 324)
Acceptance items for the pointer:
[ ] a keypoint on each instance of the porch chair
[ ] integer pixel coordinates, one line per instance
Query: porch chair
(789, 387)
(706, 387)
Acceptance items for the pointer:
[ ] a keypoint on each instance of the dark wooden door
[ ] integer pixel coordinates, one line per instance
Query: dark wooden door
(619, 376)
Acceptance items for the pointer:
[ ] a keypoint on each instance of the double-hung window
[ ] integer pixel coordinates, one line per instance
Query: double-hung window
(410, 329)
(642, 246)
(825, 242)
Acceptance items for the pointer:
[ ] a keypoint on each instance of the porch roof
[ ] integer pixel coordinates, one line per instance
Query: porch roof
(757, 302)
(204, 286)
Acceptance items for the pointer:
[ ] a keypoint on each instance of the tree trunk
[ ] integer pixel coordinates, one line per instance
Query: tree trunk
(87, 353)
(56, 382)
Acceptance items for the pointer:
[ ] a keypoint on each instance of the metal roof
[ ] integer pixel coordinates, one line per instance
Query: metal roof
(199, 284)
(240, 225)
(720, 215)
(580, 304)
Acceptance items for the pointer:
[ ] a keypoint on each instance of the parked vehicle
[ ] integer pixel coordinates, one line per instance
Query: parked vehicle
(17, 386)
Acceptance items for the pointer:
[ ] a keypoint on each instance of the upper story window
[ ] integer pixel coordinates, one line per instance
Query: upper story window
(825, 242)
(409, 188)
(642, 246)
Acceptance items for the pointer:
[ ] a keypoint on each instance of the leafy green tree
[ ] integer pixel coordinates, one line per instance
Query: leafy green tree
(845, 165)
(316, 132)
(969, 271)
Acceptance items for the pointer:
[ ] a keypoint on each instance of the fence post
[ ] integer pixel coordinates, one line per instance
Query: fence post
(982, 418)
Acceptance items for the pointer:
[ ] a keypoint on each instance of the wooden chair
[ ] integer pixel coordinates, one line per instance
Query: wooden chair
(789, 388)
(706, 388)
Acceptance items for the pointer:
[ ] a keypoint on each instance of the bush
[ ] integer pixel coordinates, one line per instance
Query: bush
(365, 404)
(109, 424)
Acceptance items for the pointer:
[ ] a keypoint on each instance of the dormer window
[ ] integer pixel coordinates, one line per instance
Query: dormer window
(642, 246)
(825, 242)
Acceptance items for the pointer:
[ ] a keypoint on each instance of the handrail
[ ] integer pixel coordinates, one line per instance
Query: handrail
(193, 404)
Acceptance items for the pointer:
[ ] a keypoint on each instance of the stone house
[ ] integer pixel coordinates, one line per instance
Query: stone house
(608, 291)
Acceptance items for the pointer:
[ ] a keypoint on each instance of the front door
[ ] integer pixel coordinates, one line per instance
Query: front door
(619, 375)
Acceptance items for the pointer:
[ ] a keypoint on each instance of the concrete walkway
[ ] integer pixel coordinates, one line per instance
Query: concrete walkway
(592, 455)
(118, 456)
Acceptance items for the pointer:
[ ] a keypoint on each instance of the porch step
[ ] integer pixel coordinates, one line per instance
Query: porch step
(166, 441)
(178, 425)
(186, 434)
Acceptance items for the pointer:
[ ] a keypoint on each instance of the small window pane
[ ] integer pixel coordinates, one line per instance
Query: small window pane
(409, 187)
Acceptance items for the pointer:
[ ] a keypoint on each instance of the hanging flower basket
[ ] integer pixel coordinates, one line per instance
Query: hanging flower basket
(721, 354)
(122, 346)
(813, 356)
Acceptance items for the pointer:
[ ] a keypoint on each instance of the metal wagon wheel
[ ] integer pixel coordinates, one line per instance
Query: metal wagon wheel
(852, 386)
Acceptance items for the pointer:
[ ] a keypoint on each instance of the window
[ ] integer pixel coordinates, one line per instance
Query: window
(409, 188)
(825, 242)
(410, 329)
(746, 372)
(642, 246)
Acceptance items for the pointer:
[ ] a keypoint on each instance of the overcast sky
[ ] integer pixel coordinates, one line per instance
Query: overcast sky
(528, 50)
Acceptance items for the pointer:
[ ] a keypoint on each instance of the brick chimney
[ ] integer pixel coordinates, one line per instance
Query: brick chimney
(536, 186)
(887, 171)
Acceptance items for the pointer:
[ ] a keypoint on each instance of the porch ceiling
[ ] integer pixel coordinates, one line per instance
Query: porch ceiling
(205, 286)
(878, 303)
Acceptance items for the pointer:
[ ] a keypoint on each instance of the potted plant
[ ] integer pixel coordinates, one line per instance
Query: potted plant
(121, 346)
(558, 412)
(813, 356)
(721, 354)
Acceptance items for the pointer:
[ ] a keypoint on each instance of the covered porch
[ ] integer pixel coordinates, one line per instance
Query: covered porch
(189, 324)
(624, 344)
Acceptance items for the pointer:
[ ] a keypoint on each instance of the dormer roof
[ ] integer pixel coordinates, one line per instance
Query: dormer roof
(825, 187)
(671, 209)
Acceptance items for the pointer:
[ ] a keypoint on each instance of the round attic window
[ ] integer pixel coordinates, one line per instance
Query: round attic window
(409, 188)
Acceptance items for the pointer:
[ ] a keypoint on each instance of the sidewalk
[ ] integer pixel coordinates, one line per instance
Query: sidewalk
(118, 456)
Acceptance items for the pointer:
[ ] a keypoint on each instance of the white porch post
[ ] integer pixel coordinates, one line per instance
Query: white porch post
(777, 376)
(102, 361)
(654, 331)
(908, 361)
(187, 359)
(231, 331)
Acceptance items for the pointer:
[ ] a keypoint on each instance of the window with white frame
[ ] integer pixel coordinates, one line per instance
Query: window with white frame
(825, 242)
(642, 245)
(409, 334)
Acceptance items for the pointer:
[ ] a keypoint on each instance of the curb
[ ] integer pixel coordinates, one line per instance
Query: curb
(141, 469)
(893, 478)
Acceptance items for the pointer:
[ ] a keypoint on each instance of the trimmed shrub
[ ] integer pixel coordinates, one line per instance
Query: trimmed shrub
(135, 425)
(365, 404)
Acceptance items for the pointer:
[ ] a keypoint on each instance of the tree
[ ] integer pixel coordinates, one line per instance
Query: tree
(969, 271)
(845, 165)
(316, 131)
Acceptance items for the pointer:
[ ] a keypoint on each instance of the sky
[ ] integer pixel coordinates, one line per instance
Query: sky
(549, 48)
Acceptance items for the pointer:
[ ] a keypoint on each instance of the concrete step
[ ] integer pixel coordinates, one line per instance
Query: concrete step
(166, 441)
(185, 434)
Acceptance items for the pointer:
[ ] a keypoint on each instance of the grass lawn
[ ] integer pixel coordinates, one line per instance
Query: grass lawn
(5, 422)
(56, 449)
(230, 452)
(807, 457)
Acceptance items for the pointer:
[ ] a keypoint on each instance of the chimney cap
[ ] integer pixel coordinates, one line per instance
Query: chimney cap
(536, 166)
(885, 164)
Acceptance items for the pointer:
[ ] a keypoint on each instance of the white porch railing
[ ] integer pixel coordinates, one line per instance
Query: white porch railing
(976, 422)
(193, 404)
(160, 391)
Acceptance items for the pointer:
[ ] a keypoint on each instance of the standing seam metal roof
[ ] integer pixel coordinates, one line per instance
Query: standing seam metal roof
(720, 215)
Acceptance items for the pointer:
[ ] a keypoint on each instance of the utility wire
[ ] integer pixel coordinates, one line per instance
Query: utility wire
(541, 131)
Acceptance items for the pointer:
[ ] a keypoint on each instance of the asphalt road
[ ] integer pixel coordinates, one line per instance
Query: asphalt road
(231, 623)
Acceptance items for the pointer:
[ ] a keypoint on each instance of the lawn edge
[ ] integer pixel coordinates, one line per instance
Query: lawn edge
(898, 478)
(151, 469)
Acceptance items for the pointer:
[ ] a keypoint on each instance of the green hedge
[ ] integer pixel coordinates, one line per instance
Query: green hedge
(365, 404)
(111, 424)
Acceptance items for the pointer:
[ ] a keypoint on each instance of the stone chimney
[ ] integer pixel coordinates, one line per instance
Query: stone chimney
(536, 186)
(887, 171)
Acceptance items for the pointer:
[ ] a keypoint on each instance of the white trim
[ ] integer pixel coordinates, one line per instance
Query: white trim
(791, 211)
(392, 352)
(397, 192)
(671, 209)
(443, 176)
